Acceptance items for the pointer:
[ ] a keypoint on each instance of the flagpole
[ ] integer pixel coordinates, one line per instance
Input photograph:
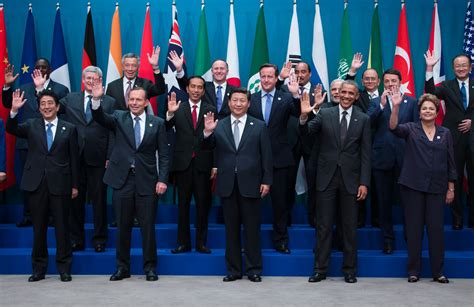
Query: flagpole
(346, 3)
(30, 7)
(376, 3)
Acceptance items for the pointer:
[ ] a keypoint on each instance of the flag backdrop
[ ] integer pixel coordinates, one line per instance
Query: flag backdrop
(4, 112)
(59, 65)
(114, 65)
(402, 60)
(88, 52)
(345, 53)
(202, 64)
(28, 57)
(259, 53)
(468, 43)
(293, 52)
(319, 71)
(233, 77)
(375, 47)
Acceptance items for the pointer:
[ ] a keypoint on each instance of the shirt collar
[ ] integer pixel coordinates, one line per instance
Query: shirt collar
(223, 85)
(125, 81)
(142, 116)
(272, 93)
(349, 111)
(371, 94)
(466, 83)
(198, 104)
(242, 119)
(54, 122)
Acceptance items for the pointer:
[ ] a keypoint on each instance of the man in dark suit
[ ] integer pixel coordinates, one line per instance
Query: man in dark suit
(388, 151)
(275, 108)
(343, 175)
(370, 90)
(93, 149)
(119, 88)
(3, 153)
(50, 178)
(244, 175)
(40, 82)
(132, 173)
(458, 96)
(191, 164)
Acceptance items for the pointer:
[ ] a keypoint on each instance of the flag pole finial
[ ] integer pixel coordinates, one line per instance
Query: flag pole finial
(403, 2)
(435, 1)
(174, 2)
(202, 2)
(30, 6)
(261, 2)
(1, 5)
(116, 4)
(294, 1)
(148, 4)
(317, 2)
(231, 2)
(376, 1)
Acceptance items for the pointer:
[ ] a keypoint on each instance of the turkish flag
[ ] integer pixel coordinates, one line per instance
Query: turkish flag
(4, 112)
(402, 60)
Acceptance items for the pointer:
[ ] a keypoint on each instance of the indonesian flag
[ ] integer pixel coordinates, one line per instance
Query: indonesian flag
(402, 60)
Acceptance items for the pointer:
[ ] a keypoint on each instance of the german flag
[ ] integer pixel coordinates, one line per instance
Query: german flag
(88, 51)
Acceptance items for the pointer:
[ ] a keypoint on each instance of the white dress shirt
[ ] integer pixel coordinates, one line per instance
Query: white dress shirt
(241, 124)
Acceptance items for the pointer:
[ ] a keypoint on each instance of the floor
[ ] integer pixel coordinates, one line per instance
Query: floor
(211, 291)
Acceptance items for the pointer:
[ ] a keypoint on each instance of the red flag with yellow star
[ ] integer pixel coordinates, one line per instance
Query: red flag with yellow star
(9, 140)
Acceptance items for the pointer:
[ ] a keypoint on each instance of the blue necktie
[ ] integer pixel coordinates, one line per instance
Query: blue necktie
(49, 135)
(268, 107)
(219, 98)
(137, 131)
(464, 95)
(88, 112)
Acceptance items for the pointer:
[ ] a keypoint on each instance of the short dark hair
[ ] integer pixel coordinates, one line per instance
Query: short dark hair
(269, 65)
(429, 97)
(196, 77)
(138, 88)
(460, 56)
(307, 65)
(350, 82)
(43, 59)
(49, 93)
(240, 90)
(392, 71)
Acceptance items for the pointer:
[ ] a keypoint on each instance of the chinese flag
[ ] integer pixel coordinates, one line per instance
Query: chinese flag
(4, 113)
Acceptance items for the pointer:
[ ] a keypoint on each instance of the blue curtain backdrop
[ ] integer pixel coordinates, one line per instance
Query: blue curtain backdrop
(278, 16)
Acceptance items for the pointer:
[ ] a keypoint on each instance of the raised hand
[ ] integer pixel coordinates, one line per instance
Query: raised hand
(38, 79)
(383, 98)
(306, 104)
(319, 96)
(293, 85)
(430, 59)
(154, 57)
(285, 70)
(209, 123)
(9, 77)
(356, 62)
(97, 89)
(173, 106)
(177, 60)
(17, 100)
(396, 98)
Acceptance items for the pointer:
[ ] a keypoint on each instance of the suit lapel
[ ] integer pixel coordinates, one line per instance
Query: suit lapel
(258, 106)
(336, 126)
(454, 85)
(79, 106)
(212, 93)
(148, 126)
(352, 128)
(226, 123)
(128, 127)
(202, 111)
(275, 105)
(247, 130)
(187, 113)
(60, 129)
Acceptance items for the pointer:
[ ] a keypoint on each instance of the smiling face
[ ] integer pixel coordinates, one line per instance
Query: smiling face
(348, 95)
(48, 108)
(268, 78)
(219, 71)
(370, 80)
(461, 67)
(44, 67)
(195, 89)
(88, 79)
(391, 82)
(302, 73)
(239, 104)
(130, 67)
(137, 101)
(335, 88)
(428, 112)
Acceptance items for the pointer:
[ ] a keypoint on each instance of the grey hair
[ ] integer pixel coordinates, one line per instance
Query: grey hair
(131, 55)
(92, 69)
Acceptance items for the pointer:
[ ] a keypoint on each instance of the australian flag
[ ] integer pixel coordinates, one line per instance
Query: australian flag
(28, 57)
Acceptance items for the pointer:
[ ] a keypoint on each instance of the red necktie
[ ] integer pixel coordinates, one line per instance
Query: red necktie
(194, 116)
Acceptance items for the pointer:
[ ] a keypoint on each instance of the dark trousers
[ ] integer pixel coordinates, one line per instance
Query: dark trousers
(192, 182)
(387, 192)
(92, 185)
(374, 207)
(127, 202)
(23, 153)
(42, 202)
(420, 209)
(281, 208)
(311, 181)
(325, 211)
(462, 157)
(242, 210)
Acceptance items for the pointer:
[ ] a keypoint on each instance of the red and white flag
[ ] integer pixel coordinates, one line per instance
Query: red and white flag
(402, 60)
(233, 77)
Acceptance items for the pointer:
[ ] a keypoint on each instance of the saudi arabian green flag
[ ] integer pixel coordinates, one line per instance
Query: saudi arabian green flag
(202, 65)
(260, 52)
(345, 55)
(375, 48)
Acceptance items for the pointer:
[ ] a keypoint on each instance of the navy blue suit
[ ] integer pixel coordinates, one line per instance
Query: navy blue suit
(387, 157)
(427, 168)
(283, 106)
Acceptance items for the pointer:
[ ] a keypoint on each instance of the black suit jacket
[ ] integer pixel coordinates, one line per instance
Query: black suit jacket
(353, 157)
(30, 109)
(95, 143)
(124, 153)
(115, 89)
(59, 166)
(283, 106)
(187, 138)
(251, 163)
(451, 94)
